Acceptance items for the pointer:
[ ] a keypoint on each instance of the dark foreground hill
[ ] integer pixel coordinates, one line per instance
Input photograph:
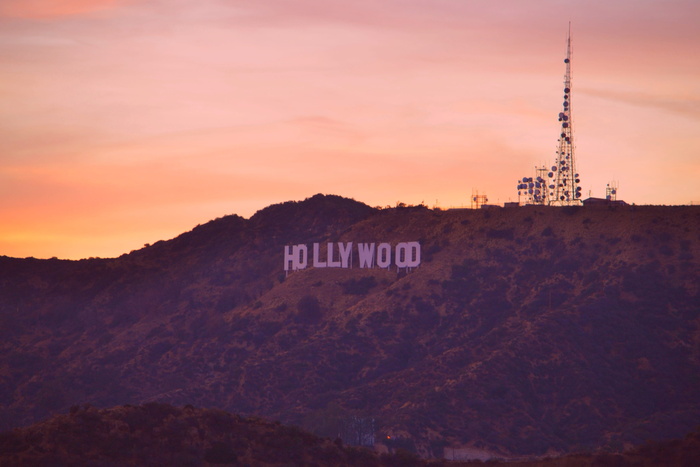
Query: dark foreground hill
(161, 435)
(156, 434)
(523, 331)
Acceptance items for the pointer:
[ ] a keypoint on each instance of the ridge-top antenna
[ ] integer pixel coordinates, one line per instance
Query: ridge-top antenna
(558, 185)
(564, 189)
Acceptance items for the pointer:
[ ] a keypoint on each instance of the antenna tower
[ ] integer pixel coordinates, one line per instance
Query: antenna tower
(534, 189)
(564, 188)
(478, 200)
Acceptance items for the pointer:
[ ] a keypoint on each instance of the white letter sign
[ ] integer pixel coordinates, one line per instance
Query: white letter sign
(405, 255)
(384, 255)
(366, 252)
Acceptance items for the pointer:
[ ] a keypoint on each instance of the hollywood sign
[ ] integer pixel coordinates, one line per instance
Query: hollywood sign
(340, 255)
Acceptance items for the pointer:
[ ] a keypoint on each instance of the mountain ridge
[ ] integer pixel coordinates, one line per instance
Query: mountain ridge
(523, 331)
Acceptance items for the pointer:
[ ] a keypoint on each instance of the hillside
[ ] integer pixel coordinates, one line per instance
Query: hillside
(159, 434)
(524, 331)
(156, 434)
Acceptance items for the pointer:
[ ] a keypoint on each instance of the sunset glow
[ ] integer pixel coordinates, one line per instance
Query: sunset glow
(125, 122)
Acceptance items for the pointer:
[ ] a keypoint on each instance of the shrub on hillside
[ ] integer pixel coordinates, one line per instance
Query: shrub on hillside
(360, 286)
(503, 234)
(220, 453)
(308, 310)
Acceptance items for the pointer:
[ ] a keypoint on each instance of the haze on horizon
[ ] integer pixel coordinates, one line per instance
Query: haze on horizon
(126, 122)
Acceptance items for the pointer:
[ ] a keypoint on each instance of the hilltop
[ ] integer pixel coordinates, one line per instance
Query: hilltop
(523, 331)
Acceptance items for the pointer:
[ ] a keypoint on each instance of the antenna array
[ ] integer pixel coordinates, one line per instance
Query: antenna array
(560, 186)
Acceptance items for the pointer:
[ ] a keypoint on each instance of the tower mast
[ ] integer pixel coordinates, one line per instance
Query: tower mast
(564, 189)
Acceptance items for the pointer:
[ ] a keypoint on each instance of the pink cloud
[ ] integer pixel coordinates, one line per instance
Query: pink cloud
(689, 107)
(44, 9)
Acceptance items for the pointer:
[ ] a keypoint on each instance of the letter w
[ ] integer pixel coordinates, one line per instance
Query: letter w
(366, 252)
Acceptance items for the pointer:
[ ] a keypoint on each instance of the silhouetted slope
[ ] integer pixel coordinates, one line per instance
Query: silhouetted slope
(523, 330)
(156, 434)
(162, 435)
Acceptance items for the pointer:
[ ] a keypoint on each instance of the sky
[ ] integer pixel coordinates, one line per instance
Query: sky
(125, 122)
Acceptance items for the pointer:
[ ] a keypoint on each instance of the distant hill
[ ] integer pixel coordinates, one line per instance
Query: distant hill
(524, 331)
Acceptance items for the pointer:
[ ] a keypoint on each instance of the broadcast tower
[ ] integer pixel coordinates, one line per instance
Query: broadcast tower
(564, 188)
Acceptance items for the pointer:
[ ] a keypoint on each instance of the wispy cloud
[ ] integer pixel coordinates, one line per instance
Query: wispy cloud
(689, 107)
(46, 9)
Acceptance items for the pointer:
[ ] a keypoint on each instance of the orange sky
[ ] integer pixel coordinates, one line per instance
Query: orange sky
(125, 122)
